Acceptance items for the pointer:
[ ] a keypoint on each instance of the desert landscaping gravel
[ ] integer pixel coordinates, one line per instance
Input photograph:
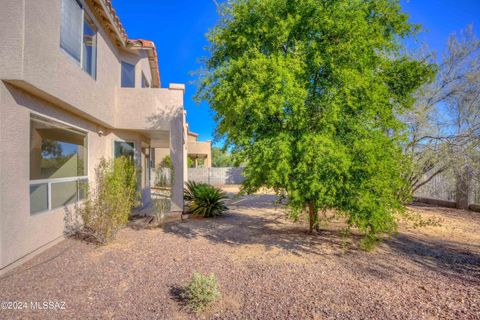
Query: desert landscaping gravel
(267, 268)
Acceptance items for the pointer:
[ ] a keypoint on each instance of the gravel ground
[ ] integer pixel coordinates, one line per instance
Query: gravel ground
(267, 268)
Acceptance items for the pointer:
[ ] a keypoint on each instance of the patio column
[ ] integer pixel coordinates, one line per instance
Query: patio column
(178, 155)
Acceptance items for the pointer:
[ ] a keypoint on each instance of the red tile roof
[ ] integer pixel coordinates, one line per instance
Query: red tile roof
(115, 18)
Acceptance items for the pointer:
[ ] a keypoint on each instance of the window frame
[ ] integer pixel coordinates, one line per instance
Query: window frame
(145, 82)
(87, 18)
(49, 182)
(85, 12)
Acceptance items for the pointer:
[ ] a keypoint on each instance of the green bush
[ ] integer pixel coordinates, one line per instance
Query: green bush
(201, 291)
(204, 200)
(108, 205)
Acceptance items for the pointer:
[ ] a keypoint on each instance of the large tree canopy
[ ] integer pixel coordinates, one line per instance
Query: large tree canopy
(307, 95)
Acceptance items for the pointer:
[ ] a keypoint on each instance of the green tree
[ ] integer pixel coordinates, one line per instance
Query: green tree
(307, 95)
(221, 158)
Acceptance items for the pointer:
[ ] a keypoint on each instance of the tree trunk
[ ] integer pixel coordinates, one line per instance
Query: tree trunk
(463, 189)
(313, 217)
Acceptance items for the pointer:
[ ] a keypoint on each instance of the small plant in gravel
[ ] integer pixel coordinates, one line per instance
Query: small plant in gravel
(201, 291)
(204, 200)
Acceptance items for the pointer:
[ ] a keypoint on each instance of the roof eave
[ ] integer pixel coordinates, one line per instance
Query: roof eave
(149, 46)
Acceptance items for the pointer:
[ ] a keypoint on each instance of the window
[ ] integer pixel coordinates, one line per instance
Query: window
(58, 165)
(71, 28)
(78, 36)
(128, 75)
(89, 53)
(126, 149)
(145, 83)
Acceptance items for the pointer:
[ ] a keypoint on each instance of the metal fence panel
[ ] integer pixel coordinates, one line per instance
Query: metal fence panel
(216, 176)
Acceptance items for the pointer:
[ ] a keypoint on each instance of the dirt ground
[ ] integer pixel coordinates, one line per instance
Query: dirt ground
(267, 268)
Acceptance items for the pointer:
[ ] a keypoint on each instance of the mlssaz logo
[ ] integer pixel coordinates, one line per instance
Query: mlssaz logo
(48, 305)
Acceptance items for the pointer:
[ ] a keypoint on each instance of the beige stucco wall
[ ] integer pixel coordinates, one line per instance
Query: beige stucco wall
(194, 149)
(148, 109)
(199, 148)
(22, 233)
(160, 154)
(12, 32)
(192, 137)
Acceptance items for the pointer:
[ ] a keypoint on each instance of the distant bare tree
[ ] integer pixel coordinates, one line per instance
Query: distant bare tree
(444, 125)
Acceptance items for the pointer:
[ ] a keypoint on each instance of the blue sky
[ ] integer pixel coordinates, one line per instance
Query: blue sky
(178, 29)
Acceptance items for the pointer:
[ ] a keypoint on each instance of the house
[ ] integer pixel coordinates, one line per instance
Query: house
(199, 153)
(74, 89)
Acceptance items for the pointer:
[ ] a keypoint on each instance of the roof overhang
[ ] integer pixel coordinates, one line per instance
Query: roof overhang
(107, 15)
(149, 46)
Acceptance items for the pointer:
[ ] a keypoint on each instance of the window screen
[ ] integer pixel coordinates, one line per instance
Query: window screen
(128, 75)
(71, 28)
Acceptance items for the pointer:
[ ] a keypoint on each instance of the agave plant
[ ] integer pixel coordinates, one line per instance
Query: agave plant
(204, 200)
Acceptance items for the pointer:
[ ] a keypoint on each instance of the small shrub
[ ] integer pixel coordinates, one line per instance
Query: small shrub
(201, 291)
(109, 204)
(204, 200)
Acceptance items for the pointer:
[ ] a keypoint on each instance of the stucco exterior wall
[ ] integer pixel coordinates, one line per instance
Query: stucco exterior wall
(23, 233)
(140, 60)
(38, 77)
(199, 148)
(52, 70)
(33, 58)
(192, 137)
(147, 109)
(194, 149)
(160, 154)
(12, 32)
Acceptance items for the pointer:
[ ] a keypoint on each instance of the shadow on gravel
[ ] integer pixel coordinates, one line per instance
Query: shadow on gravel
(261, 227)
(237, 228)
(449, 259)
(176, 294)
